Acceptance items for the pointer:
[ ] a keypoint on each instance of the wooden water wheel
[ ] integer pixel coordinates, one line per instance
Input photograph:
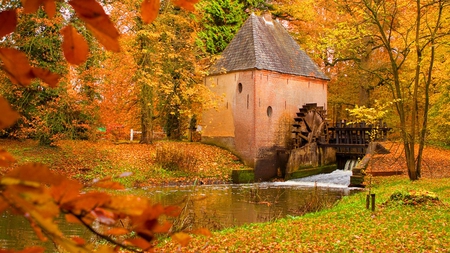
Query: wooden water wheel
(310, 125)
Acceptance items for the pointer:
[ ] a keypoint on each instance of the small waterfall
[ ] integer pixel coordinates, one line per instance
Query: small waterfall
(350, 164)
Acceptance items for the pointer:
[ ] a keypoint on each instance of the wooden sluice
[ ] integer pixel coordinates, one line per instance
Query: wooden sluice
(351, 140)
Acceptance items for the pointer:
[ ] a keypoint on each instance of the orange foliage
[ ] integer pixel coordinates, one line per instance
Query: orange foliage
(39, 194)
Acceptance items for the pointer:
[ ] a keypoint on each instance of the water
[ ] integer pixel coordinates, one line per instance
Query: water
(212, 206)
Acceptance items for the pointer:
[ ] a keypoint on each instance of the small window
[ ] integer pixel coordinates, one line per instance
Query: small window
(240, 87)
(269, 111)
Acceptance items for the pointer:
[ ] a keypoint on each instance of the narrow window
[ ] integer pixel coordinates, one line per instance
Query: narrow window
(240, 87)
(247, 100)
(269, 111)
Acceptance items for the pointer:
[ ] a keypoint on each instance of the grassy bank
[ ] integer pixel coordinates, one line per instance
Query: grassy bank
(397, 225)
(160, 163)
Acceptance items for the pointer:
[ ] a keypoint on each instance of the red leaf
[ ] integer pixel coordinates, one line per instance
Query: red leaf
(8, 19)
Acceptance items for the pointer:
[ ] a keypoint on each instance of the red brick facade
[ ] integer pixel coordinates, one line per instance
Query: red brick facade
(256, 110)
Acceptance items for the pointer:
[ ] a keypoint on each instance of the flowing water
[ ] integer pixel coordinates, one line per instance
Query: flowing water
(211, 206)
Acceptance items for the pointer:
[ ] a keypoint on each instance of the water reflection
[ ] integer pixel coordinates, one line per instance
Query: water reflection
(213, 206)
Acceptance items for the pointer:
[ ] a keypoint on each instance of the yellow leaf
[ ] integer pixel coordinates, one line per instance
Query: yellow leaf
(182, 238)
(75, 47)
(16, 66)
(47, 76)
(8, 19)
(149, 10)
(8, 117)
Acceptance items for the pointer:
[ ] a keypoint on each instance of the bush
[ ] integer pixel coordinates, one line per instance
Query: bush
(171, 157)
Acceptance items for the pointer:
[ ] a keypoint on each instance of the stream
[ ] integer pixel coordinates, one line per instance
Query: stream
(212, 206)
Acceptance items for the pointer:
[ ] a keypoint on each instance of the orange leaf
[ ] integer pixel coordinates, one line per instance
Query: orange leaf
(16, 66)
(202, 231)
(7, 118)
(34, 172)
(87, 202)
(186, 4)
(47, 76)
(140, 243)
(149, 10)
(162, 228)
(98, 22)
(38, 231)
(72, 219)
(182, 238)
(31, 6)
(50, 8)
(65, 191)
(74, 46)
(109, 185)
(8, 19)
(117, 231)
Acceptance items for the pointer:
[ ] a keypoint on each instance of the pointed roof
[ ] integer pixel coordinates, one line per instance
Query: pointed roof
(266, 45)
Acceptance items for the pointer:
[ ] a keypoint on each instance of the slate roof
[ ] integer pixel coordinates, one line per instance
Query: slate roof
(266, 45)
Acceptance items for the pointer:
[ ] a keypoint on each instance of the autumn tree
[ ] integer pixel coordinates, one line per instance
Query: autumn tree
(169, 76)
(39, 194)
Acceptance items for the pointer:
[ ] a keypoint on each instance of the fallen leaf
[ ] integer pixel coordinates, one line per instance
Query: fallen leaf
(149, 10)
(47, 76)
(182, 238)
(16, 66)
(7, 118)
(8, 19)
(75, 47)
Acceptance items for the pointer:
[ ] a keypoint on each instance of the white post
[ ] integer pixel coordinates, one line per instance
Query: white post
(131, 135)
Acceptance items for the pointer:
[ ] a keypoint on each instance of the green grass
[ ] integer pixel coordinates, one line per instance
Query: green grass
(348, 226)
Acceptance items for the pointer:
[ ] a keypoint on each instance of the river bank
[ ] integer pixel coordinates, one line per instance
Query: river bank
(416, 220)
(161, 163)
